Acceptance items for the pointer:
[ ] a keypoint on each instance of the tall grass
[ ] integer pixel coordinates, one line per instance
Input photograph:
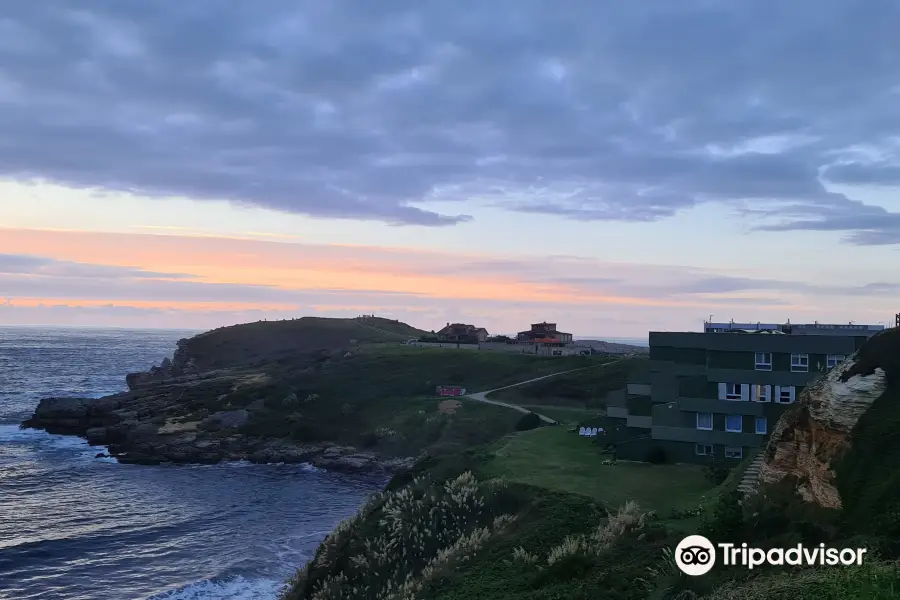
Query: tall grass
(402, 541)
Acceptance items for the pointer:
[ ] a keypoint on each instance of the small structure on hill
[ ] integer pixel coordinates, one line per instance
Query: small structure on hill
(462, 333)
(450, 390)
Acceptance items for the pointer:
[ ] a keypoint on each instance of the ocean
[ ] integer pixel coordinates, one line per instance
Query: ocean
(76, 527)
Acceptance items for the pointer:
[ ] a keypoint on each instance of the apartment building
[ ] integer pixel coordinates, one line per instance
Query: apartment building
(720, 392)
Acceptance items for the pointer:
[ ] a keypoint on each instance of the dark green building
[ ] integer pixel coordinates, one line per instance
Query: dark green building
(720, 392)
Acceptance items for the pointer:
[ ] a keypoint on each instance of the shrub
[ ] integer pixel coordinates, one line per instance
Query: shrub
(404, 540)
(717, 470)
(726, 521)
(528, 421)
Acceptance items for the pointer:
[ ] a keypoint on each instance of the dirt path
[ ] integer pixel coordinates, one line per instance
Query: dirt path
(482, 396)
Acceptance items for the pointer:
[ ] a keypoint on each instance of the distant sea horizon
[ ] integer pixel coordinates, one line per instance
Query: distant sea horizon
(633, 341)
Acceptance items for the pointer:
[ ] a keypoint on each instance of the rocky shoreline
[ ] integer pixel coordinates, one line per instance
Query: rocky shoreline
(134, 433)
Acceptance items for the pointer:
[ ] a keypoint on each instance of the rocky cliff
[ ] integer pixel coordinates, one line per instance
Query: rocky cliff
(180, 365)
(148, 426)
(814, 434)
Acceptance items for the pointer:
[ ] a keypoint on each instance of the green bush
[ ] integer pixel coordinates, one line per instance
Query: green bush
(528, 421)
(717, 470)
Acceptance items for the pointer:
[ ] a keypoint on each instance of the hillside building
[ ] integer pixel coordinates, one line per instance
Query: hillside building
(720, 392)
(462, 333)
(544, 334)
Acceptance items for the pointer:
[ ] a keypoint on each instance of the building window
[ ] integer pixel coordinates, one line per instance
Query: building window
(703, 450)
(762, 393)
(786, 395)
(834, 360)
(704, 420)
(800, 363)
(761, 425)
(734, 452)
(763, 361)
(734, 423)
(732, 391)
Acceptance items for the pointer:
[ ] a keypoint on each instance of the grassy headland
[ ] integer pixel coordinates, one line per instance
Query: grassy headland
(537, 515)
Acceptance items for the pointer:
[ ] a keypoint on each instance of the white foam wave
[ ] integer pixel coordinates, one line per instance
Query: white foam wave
(237, 588)
(11, 434)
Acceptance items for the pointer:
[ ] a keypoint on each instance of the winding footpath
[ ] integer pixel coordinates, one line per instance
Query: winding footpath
(482, 396)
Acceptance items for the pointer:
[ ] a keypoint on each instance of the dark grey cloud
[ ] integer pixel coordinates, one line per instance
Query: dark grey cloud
(602, 111)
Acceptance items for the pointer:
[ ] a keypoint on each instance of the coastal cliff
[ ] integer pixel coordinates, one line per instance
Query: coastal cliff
(139, 429)
(839, 442)
(331, 392)
(810, 436)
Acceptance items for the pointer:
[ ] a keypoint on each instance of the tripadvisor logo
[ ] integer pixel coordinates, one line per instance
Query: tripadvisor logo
(695, 555)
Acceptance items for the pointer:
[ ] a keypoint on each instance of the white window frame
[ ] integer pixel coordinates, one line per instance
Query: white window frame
(788, 390)
(734, 452)
(834, 360)
(762, 393)
(763, 361)
(731, 394)
(740, 428)
(710, 421)
(800, 363)
(765, 425)
(707, 449)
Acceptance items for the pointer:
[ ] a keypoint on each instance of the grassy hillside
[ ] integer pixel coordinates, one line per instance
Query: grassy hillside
(537, 515)
(250, 343)
(469, 538)
(557, 459)
(445, 536)
(391, 326)
(382, 398)
(581, 389)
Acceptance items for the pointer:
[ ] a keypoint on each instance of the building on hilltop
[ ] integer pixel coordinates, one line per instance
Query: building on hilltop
(544, 333)
(462, 333)
(719, 393)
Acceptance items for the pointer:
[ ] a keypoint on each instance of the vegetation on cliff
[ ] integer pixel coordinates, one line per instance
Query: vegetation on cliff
(868, 476)
(249, 343)
(362, 401)
(549, 520)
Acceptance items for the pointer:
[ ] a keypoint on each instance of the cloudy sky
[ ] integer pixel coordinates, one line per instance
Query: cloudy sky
(615, 167)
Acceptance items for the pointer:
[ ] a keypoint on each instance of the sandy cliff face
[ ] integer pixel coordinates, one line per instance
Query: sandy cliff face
(815, 431)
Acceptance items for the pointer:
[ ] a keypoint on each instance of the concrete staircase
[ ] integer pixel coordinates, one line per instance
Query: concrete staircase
(750, 481)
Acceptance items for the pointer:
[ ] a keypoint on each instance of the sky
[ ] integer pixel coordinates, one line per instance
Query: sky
(612, 167)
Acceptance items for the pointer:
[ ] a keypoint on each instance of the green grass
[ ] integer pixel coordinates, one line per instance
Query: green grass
(391, 326)
(249, 343)
(429, 516)
(585, 389)
(383, 398)
(556, 459)
(566, 415)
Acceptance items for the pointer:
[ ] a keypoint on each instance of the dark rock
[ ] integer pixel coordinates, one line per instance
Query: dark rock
(143, 430)
(137, 380)
(62, 408)
(119, 432)
(225, 420)
(96, 435)
(101, 455)
(103, 406)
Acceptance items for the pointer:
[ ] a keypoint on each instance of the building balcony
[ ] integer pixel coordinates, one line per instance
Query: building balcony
(753, 377)
(703, 436)
(712, 405)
